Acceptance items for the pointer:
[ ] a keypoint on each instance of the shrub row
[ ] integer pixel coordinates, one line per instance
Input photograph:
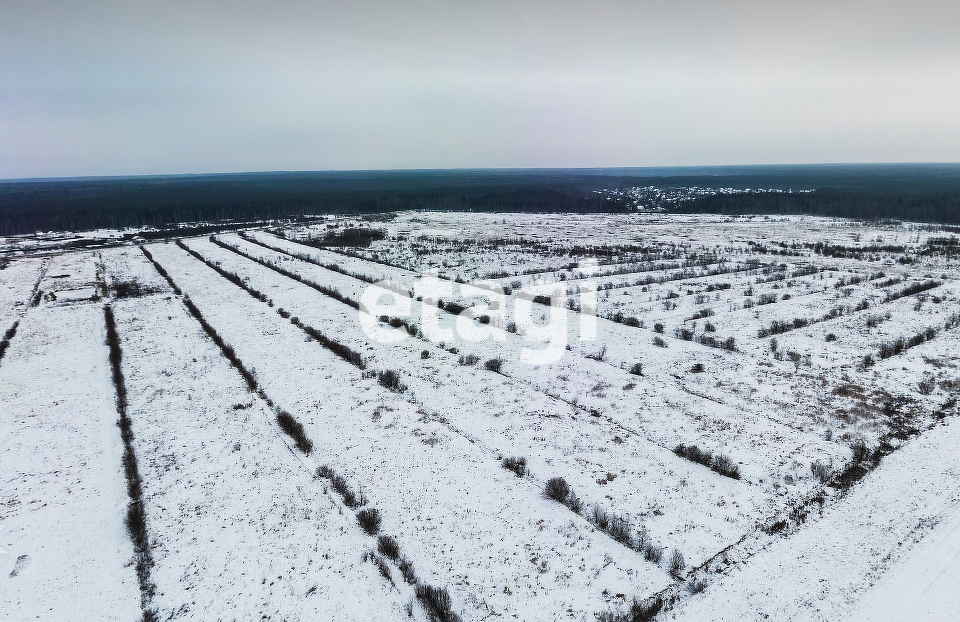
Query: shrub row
(345, 352)
(7, 336)
(136, 519)
(888, 282)
(640, 611)
(719, 463)
(435, 601)
(909, 290)
(898, 345)
(225, 348)
(620, 318)
(230, 276)
(294, 430)
(875, 319)
(285, 420)
(398, 322)
(783, 275)
(685, 273)
(617, 527)
(341, 487)
(702, 314)
(307, 258)
(729, 344)
(778, 327)
(468, 359)
(161, 270)
(332, 292)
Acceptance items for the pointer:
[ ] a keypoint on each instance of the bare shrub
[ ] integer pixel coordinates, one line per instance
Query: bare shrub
(697, 585)
(600, 518)
(677, 563)
(647, 610)
(437, 603)
(619, 529)
(557, 489)
(132, 289)
(388, 547)
(469, 359)
(494, 364)
(516, 464)
(822, 471)
(340, 485)
(860, 451)
(382, 566)
(640, 611)
(7, 336)
(295, 430)
(725, 466)
(406, 569)
(637, 369)
(599, 355)
(653, 553)
(391, 380)
(719, 463)
(369, 519)
(694, 454)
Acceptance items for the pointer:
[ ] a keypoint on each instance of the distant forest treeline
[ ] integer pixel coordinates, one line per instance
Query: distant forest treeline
(909, 192)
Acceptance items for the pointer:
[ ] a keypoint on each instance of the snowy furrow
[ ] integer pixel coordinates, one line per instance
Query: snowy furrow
(240, 528)
(465, 522)
(62, 493)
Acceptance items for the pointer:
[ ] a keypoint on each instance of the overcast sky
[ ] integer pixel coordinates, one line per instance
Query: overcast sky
(133, 87)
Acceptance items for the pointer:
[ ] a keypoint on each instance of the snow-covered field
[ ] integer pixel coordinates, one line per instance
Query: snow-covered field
(752, 419)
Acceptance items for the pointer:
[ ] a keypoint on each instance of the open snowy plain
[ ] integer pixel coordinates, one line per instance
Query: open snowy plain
(485, 417)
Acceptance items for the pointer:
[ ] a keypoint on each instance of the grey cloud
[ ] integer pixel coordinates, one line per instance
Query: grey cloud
(144, 87)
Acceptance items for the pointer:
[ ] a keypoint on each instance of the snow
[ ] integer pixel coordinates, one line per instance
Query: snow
(62, 493)
(925, 585)
(823, 571)
(240, 525)
(412, 467)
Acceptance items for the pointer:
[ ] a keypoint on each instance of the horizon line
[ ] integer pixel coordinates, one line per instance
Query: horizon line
(55, 178)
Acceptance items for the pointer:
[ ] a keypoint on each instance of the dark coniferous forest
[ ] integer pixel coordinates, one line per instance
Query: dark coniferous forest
(921, 192)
